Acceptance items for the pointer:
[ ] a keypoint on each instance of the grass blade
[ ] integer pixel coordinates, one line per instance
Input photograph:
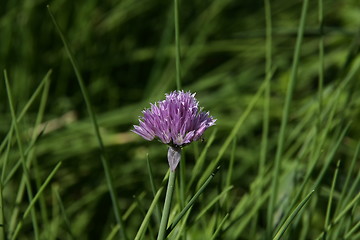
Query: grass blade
(91, 113)
(284, 120)
(218, 229)
(177, 43)
(153, 189)
(22, 157)
(33, 201)
(232, 134)
(191, 202)
(291, 217)
(331, 196)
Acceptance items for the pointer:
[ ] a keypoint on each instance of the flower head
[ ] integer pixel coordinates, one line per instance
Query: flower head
(176, 121)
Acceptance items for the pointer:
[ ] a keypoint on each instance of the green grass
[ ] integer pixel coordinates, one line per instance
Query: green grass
(281, 77)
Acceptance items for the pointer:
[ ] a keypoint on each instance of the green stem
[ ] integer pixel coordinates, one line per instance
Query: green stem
(177, 43)
(167, 205)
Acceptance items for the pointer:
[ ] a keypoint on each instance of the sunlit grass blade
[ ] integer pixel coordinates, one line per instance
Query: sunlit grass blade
(291, 217)
(34, 200)
(284, 120)
(91, 113)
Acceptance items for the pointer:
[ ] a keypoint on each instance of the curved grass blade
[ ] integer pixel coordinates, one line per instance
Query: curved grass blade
(233, 133)
(218, 229)
(26, 107)
(63, 213)
(284, 120)
(153, 189)
(223, 193)
(22, 157)
(191, 202)
(288, 221)
(140, 233)
(91, 113)
(34, 200)
(327, 217)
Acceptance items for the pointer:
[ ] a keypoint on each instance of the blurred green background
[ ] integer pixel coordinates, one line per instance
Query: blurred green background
(126, 53)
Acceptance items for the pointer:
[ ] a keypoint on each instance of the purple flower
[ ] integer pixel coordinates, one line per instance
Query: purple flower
(176, 121)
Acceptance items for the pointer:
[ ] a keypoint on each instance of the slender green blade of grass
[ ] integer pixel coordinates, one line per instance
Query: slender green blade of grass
(230, 174)
(180, 231)
(337, 219)
(284, 120)
(241, 215)
(34, 200)
(153, 189)
(64, 215)
(213, 202)
(140, 233)
(18, 163)
(2, 218)
(22, 157)
(92, 115)
(34, 137)
(352, 231)
(328, 210)
(201, 160)
(321, 60)
(218, 229)
(324, 168)
(267, 99)
(291, 217)
(177, 43)
(330, 157)
(346, 209)
(143, 212)
(113, 232)
(345, 189)
(27, 106)
(232, 134)
(191, 202)
(6, 158)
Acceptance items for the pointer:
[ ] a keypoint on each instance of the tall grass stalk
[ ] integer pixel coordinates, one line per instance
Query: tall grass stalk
(22, 158)
(284, 120)
(104, 160)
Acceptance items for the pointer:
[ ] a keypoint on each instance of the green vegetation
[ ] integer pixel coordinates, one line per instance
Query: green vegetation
(281, 77)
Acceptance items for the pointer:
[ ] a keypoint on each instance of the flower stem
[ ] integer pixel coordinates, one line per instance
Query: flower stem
(167, 205)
